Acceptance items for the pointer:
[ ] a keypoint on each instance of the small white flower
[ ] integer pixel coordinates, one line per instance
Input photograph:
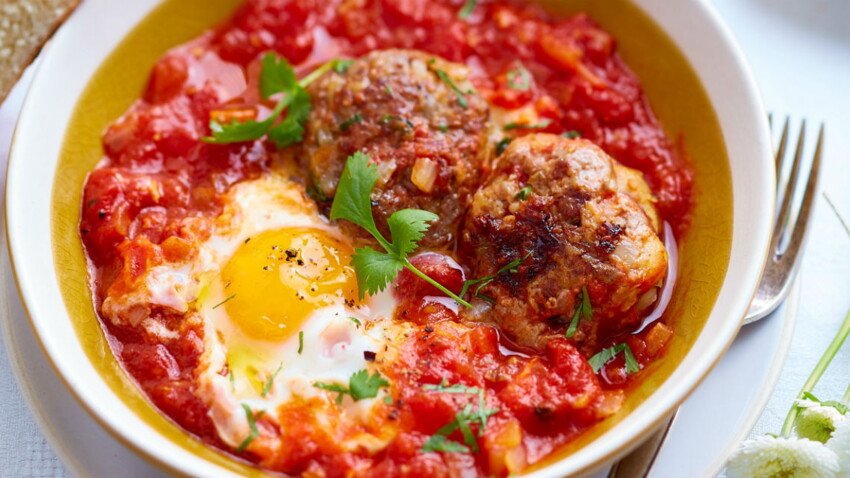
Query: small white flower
(840, 445)
(769, 457)
(816, 421)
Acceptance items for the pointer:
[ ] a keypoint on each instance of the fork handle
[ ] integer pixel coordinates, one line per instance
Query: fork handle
(638, 463)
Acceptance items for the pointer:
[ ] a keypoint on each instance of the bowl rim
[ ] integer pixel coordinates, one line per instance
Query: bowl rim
(741, 107)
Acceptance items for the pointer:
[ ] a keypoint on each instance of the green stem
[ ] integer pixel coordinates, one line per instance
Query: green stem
(816, 374)
(436, 284)
(845, 400)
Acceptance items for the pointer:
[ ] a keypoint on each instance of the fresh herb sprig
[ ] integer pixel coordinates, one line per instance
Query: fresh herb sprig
(599, 360)
(583, 309)
(374, 270)
(361, 385)
(485, 281)
(277, 76)
(462, 421)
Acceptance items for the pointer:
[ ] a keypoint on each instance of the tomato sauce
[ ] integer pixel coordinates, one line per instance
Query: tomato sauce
(157, 192)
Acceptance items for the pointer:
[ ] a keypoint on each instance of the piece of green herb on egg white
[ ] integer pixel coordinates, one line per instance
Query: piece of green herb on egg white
(361, 385)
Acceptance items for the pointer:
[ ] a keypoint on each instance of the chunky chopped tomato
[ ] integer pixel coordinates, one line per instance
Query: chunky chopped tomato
(156, 194)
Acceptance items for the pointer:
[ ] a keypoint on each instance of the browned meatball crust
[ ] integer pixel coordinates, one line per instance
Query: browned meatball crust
(401, 108)
(582, 217)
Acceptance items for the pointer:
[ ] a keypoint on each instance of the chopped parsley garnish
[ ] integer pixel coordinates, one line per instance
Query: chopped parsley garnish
(374, 270)
(571, 134)
(600, 359)
(350, 121)
(277, 76)
(223, 302)
(355, 320)
(270, 381)
(541, 125)
(462, 421)
(485, 281)
(253, 425)
(467, 9)
(389, 90)
(523, 193)
(341, 65)
(460, 98)
(387, 119)
(388, 400)
(503, 145)
(360, 385)
(300, 341)
(583, 309)
(519, 78)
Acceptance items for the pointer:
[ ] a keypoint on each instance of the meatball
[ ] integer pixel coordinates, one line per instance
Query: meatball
(581, 221)
(418, 119)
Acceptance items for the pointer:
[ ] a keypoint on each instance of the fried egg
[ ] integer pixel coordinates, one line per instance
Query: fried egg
(278, 297)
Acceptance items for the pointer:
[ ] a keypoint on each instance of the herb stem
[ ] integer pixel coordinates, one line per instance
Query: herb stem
(436, 284)
(845, 400)
(816, 374)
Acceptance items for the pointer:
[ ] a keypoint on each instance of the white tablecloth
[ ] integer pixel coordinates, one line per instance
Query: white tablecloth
(800, 52)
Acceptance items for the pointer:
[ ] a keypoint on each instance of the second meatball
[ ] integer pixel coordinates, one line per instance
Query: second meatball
(420, 122)
(581, 222)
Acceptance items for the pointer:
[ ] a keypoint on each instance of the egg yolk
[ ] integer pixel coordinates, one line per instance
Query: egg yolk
(277, 279)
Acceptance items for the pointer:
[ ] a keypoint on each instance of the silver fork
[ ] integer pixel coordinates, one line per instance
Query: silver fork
(786, 246)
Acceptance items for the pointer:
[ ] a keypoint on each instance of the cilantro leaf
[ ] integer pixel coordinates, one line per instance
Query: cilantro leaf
(599, 360)
(291, 129)
(236, 132)
(353, 194)
(361, 385)
(277, 76)
(374, 270)
(407, 227)
(571, 134)
(583, 308)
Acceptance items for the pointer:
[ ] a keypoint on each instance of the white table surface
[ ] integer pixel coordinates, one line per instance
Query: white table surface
(800, 53)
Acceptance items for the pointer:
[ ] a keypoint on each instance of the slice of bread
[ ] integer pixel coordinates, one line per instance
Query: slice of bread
(25, 25)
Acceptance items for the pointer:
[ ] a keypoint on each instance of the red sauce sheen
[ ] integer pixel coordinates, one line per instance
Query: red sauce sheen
(157, 193)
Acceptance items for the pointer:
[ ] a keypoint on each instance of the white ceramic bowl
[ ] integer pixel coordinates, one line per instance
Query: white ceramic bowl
(98, 26)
